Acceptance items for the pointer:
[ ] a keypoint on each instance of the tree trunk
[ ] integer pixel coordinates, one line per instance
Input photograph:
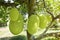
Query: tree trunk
(30, 5)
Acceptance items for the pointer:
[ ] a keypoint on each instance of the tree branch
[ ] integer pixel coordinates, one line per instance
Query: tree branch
(47, 10)
(41, 35)
(50, 14)
(58, 16)
(31, 5)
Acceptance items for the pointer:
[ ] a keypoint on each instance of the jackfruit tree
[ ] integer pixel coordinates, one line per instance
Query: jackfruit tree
(41, 14)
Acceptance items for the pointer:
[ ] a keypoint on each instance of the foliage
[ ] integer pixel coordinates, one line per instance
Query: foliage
(3, 14)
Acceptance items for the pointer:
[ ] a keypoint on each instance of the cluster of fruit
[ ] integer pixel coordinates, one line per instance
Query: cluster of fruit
(16, 21)
(34, 22)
